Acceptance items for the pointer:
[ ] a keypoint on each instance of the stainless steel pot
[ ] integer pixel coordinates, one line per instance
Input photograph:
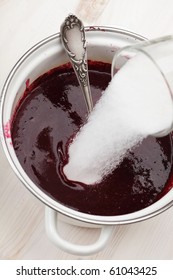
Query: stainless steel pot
(102, 44)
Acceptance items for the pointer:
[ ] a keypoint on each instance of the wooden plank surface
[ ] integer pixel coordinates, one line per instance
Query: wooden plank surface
(22, 234)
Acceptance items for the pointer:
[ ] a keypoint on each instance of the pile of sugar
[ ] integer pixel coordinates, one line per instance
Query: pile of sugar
(135, 104)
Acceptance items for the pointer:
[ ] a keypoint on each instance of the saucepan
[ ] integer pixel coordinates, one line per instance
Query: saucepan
(102, 45)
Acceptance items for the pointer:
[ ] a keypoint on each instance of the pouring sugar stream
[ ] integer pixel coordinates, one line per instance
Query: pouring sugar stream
(136, 103)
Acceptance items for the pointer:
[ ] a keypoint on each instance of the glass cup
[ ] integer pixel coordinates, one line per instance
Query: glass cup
(160, 53)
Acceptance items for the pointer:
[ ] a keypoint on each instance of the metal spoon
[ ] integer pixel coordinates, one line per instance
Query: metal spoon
(73, 40)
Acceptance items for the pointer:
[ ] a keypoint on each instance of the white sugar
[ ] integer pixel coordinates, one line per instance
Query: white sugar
(136, 103)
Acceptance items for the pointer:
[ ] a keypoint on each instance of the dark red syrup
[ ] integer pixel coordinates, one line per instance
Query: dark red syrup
(46, 119)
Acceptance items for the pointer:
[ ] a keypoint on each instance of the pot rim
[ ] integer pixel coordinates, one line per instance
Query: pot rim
(45, 198)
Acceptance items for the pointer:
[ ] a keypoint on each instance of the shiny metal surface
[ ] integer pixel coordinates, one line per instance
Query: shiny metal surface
(73, 33)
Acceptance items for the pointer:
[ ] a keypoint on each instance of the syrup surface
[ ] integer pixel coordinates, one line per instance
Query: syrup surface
(45, 121)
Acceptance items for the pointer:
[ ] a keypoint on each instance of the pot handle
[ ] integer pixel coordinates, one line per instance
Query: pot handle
(51, 224)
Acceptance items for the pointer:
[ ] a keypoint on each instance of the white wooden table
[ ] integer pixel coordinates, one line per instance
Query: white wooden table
(22, 234)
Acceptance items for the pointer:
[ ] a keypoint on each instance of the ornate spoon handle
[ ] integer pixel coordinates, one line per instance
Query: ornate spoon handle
(73, 40)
